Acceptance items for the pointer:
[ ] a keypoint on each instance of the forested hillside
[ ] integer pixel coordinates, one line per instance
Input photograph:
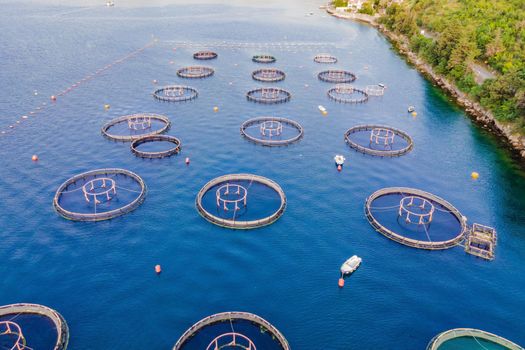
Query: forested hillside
(457, 33)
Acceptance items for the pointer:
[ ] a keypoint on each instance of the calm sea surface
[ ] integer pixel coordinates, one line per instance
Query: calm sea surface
(100, 276)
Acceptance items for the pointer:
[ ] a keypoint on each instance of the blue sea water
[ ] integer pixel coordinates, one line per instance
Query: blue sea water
(100, 276)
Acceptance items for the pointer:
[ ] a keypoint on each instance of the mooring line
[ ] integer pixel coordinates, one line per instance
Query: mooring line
(10, 128)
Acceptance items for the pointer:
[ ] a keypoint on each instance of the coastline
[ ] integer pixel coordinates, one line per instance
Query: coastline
(481, 116)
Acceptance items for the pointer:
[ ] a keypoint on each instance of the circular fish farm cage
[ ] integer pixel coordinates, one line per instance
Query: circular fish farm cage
(470, 338)
(263, 59)
(176, 93)
(98, 195)
(32, 326)
(205, 55)
(195, 72)
(272, 131)
(153, 140)
(269, 95)
(415, 218)
(379, 140)
(232, 330)
(268, 75)
(375, 90)
(134, 126)
(325, 58)
(225, 200)
(346, 93)
(337, 76)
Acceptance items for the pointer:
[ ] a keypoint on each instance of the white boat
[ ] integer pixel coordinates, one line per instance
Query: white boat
(110, 3)
(381, 85)
(411, 109)
(339, 159)
(350, 265)
(321, 108)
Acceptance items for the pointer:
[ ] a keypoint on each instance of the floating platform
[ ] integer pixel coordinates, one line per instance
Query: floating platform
(375, 90)
(481, 241)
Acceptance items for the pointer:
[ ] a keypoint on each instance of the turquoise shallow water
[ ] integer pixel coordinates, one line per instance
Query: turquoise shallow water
(100, 277)
(468, 343)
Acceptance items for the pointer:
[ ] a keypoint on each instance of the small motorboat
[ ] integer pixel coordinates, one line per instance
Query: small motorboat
(322, 109)
(350, 265)
(381, 85)
(339, 160)
(411, 109)
(347, 268)
(110, 3)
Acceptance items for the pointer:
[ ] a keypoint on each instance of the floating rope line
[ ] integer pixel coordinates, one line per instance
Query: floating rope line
(235, 45)
(476, 339)
(127, 189)
(385, 208)
(88, 77)
(426, 231)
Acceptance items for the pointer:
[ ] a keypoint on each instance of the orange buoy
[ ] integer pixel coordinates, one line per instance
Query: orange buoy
(34, 158)
(53, 98)
(215, 109)
(339, 167)
(341, 282)
(187, 161)
(158, 269)
(474, 175)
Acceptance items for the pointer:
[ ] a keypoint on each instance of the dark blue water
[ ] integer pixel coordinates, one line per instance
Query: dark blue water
(100, 275)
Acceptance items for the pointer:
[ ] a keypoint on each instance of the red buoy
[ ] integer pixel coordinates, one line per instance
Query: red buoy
(158, 269)
(34, 158)
(339, 167)
(187, 161)
(341, 282)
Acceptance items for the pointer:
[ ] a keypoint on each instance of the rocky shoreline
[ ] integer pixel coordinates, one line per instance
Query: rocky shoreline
(483, 117)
